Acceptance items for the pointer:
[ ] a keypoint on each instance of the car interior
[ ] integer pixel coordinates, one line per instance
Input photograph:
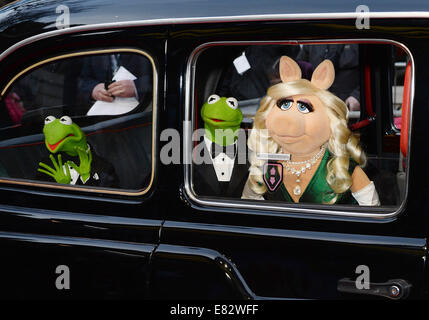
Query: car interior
(384, 79)
(123, 140)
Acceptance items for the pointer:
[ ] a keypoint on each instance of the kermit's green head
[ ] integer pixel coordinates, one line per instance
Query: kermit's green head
(221, 113)
(62, 135)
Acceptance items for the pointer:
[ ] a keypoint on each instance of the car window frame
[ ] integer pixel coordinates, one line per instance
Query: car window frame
(282, 209)
(83, 188)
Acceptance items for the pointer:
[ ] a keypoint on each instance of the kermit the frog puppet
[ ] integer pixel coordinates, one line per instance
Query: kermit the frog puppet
(221, 116)
(224, 168)
(73, 161)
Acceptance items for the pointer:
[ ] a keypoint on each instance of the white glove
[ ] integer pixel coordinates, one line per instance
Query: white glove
(367, 196)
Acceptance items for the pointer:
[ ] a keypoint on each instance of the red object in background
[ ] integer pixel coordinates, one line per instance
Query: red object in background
(368, 101)
(397, 122)
(14, 107)
(360, 124)
(405, 110)
(368, 95)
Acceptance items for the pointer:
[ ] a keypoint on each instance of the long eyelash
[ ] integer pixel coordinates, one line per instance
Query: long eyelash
(309, 106)
(280, 102)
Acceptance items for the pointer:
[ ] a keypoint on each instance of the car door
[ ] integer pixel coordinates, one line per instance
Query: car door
(61, 240)
(223, 246)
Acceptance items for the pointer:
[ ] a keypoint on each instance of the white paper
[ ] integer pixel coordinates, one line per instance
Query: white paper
(123, 74)
(119, 105)
(241, 64)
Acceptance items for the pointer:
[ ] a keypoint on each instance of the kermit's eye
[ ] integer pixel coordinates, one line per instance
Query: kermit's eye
(213, 99)
(66, 120)
(232, 103)
(49, 119)
(304, 107)
(284, 104)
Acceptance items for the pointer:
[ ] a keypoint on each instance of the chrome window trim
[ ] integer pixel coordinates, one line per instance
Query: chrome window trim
(294, 210)
(216, 19)
(95, 189)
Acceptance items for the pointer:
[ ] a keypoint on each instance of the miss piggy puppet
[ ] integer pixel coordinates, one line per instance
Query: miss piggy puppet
(308, 122)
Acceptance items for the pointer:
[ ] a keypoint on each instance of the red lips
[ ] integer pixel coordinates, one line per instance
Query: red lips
(217, 120)
(54, 146)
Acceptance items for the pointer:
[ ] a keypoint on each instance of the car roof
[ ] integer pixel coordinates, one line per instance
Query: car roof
(23, 19)
(108, 11)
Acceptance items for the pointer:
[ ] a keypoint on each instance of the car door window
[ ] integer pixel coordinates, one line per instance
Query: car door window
(243, 89)
(81, 120)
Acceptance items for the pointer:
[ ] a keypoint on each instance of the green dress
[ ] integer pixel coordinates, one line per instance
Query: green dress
(318, 189)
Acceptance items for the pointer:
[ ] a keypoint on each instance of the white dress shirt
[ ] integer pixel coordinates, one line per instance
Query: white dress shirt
(222, 164)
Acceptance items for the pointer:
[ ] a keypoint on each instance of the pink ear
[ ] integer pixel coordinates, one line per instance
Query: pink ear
(324, 75)
(289, 69)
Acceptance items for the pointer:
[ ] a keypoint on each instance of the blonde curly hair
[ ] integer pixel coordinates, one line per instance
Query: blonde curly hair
(342, 144)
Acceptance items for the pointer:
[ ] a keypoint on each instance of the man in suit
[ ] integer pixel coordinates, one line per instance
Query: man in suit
(259, 71)
(97, 73)
(345, 58)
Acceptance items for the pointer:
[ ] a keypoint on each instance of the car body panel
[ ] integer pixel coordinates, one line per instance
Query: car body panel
(170, 246)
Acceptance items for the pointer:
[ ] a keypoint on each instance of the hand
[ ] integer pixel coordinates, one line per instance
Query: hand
(122, 88)
(352, 103)
(58, 173)
(84, 168)
(99, 93)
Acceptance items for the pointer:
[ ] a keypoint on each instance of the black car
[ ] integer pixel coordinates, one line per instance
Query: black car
(144, 226)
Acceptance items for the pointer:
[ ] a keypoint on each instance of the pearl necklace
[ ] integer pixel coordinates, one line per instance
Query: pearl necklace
(307, 164)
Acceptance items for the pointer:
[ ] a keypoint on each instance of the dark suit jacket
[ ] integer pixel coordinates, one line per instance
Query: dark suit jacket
(205, 180)
(98, 69)
(346, 62)
(264, 69)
